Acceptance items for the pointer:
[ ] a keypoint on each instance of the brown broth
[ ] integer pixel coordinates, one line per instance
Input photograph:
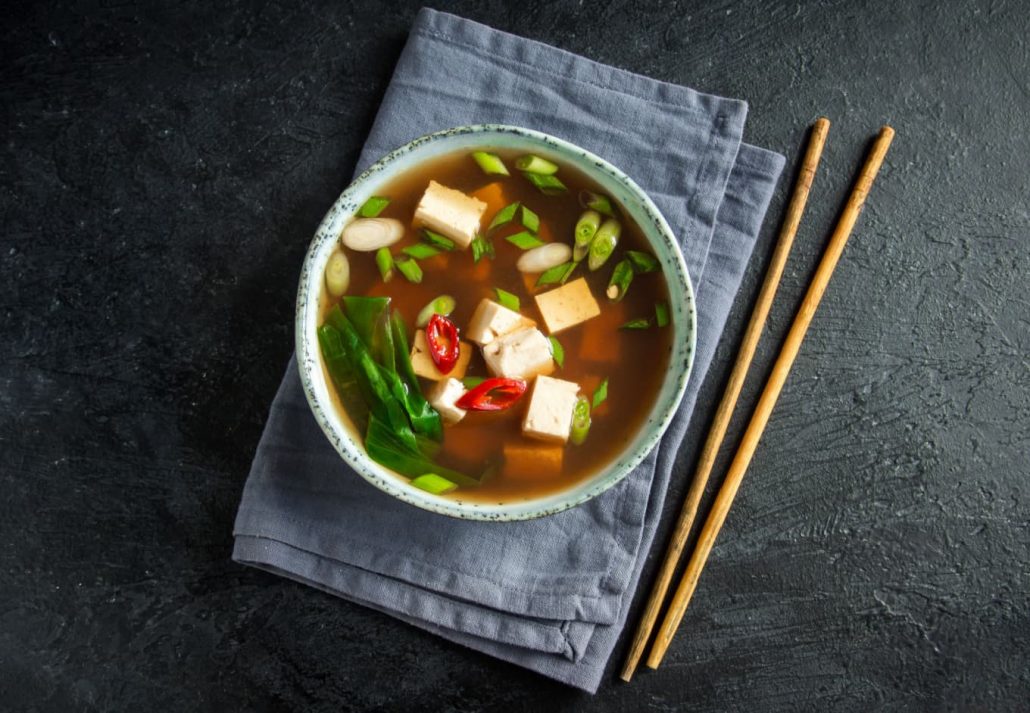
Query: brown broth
(635, 361)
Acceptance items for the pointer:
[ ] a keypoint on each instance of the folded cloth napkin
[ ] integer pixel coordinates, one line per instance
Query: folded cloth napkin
(550, 594)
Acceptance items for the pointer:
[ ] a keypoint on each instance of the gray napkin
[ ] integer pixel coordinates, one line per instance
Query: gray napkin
(550, 594)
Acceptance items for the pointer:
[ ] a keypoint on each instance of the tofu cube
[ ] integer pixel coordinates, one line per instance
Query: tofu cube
(567, 306)
(549, 416)
(423, 364)
(531, 462)
(442, 396)
(450, 213)
(491, 320)
(519, 355)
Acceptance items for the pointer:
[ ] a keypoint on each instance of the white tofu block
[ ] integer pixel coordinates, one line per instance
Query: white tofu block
(491, 320)
(442, 396)
(549, 416)
(567, 306)
(450, 213)
(423, 364)
(519, 355)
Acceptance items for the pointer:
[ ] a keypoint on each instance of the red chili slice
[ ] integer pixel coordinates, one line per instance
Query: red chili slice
(442, 337)
(492, 395)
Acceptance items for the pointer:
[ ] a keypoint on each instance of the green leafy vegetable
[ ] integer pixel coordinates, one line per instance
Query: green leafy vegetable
(384, 447)
(433, 483)
(557, 351)
(504, 216)
(481, 247)
(661, 313)
(437, 240)
(507, 299)
(490, 163)
(530, 220)
(525, 240)
(384, 261)
(556, 274)
(410, 269)
(642, 262)
(373, 207)
(600, 393)
(548, 185)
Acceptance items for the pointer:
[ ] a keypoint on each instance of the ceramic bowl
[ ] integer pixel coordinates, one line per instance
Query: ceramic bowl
(641, 209)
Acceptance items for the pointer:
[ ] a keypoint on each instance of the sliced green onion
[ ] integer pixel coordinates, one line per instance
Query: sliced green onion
(642, 262)
(548, 185)
(661, 313)
(596, 201)
(557, 351)
(618, 285)
(490, 163)
(557, 274)
(507, 299)
(373, 207)
(471, 382)
(534, 164)
(504, 216)
(580, 421)
(421, 251)
(442, 305)
(384, 261)
(600, 393)
(579, 252)
(586, 227)
(603, 244)
(433, 483)
(638, 323)
(437, 240)
(530, 220)
(410, 269)
(525, 240)
(481, 247)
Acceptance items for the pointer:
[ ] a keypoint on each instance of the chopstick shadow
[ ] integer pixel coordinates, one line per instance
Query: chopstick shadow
(827, 201)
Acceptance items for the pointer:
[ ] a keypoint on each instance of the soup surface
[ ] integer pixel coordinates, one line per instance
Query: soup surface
(633, 360)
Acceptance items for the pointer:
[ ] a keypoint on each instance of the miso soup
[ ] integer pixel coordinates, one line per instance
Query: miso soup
(559, 309)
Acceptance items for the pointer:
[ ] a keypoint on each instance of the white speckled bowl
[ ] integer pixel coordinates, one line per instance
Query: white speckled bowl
(340, 431)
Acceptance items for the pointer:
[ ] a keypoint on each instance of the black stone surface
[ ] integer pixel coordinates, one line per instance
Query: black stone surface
(164, 167)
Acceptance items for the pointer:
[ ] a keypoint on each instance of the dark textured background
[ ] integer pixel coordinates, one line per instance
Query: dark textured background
(163, 170)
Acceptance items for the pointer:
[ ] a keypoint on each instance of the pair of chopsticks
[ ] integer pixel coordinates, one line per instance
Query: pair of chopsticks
(766, 402)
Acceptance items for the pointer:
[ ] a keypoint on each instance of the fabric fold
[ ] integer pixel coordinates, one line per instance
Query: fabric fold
(549, 594)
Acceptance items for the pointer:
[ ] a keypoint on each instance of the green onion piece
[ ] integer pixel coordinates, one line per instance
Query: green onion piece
(433, 483)
(421, 251)
(586, 227)
(410, 269)
(603, 244)
(384, 261)
(596, 201)
(534, 164)
(618, 285)
(579, 252)
(504, 216)
(490, 163)
(642, 262)
(507, 299)
(530, 220)
(557, 351)
(481, 247)
(556, 274)
(525, 240)
(442, 305)
(601, 393)
(373, 207)
(548, 185)
(437, 240)
(638, 323)
(661, 313)
(580, 421)
(471, 382)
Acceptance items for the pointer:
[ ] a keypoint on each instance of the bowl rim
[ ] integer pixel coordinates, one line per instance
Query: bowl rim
(310, 370)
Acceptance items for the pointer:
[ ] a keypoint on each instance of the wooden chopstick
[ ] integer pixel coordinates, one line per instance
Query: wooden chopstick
(770, 393)
(816, 141)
